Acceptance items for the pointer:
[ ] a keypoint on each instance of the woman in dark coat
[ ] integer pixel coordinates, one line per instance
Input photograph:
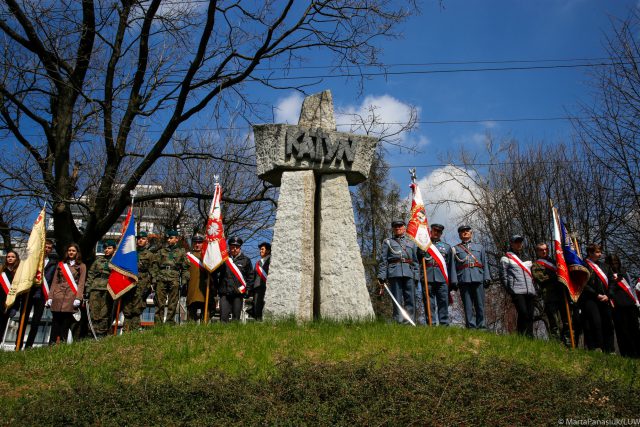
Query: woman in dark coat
(625, 307)
(63, 301)
(11, 262)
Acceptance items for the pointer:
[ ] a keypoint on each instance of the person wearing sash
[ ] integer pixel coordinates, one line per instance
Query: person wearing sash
(39, 294)
(230, 288)
(437, 279)
(595, 304)
(173, 267)
(260, 283)
(399, 267)
(625, 307)
(7, 271)
(197, 288)
(100, 301)
(473, 277)
(553, 294)
(516, 278)
(65, 295)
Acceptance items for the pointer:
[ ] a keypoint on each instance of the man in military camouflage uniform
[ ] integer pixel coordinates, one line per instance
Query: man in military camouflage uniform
(438, 288)
(100, 301)
(173, 267)
(544, 272)
(399, 266)
(134, 302)
(473, 276)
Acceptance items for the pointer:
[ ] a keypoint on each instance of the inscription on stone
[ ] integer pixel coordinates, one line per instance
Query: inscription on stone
(319, 146)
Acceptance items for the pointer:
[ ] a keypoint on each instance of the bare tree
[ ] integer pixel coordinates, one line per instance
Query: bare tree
(96, 92)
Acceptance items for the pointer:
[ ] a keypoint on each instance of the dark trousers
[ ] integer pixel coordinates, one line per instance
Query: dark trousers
(524, 308)
(38, 310)
(627, 330)
(439, 299)
(556, 314)
(472, 294)
(230, 305)
(598, 325)
(258, 302)
(60, 324)
(404, 291)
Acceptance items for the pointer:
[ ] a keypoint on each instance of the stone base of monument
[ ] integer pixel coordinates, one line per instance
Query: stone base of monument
(316, 268)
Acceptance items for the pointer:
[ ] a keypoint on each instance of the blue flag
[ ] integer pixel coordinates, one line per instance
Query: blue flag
(578, 271)
(124, 263)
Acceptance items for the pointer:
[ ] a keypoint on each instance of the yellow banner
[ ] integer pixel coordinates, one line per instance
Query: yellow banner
(30, 270)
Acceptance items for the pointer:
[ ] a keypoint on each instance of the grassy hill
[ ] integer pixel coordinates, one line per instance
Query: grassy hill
(318, 374)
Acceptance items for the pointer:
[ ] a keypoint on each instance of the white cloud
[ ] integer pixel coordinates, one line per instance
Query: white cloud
(446, 193)
(287, 109)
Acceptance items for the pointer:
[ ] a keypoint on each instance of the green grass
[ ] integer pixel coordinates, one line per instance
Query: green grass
(318, 374)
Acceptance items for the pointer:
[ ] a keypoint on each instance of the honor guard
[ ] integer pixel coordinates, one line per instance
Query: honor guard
(173, 268)
(473, 276)
(438, 288)
(100, 301)
(230, 288)
(134, 302)
(197, 288)
(399, 267)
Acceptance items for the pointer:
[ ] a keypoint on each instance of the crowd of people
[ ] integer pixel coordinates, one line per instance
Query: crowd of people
(606, 310)
(164, 275)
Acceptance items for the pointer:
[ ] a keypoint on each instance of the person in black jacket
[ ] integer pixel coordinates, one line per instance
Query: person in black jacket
(260, 282)
(230, 289)
(37, 297)
(625, 311)
(8, 270)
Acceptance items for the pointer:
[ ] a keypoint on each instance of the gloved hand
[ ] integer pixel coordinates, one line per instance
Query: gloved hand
(76, 303)
(48, 303)
(380, 287)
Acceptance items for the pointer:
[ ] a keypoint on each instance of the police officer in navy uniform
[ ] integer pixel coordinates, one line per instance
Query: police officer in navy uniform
(438, 288)
(228, 285)
(399, 267)
(472, 270)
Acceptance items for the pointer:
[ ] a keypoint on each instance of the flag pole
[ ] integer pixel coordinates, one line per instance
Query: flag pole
(117, 322)
(22, 316)
(205, 316)
(426, 290)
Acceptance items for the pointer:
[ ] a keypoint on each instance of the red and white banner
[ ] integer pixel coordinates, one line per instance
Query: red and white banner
(260, 271)
(214, 249)
(236, 272)
(418, 227)
(68, 276)
(440, 262)
(6, 283)
(561, 263)
(546, 264)
(194, 260)
(596, 269)
(513, 257)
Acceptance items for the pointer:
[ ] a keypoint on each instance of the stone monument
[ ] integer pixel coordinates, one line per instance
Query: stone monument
(316, 269)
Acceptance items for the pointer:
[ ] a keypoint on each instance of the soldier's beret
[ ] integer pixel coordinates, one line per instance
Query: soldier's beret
(235, 241)
(142, 234)
(463, 228)
(516, 238)
(437, 226)
(198, 239)
(266, 245)
(172, 233)
(109, 242)
(397, 223)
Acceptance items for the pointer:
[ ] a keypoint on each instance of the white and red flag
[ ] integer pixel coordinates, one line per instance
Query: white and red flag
(214, 249)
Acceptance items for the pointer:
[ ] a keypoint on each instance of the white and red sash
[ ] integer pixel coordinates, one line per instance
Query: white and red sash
(596, 269)
(236, 272)
(547, 264)
(6, 283)
(627, 288)
(194, 260)
(45, 284)
(440, 262)
(513, 257)
(68, 277)
(260, 271)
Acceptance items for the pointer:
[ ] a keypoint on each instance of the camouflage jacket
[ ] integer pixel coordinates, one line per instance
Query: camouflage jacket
(98, 275)
(172, 262)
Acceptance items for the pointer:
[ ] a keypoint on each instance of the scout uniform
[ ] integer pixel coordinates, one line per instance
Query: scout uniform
(100, 301)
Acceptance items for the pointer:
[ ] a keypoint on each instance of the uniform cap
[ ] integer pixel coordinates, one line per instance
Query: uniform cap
(397, 223)
(172, 233)
(437, 226)
(266, 245)
(198, 239)
(463, 228)
(108, 243)
(142, 234)
(516, 238)
(236, 241)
